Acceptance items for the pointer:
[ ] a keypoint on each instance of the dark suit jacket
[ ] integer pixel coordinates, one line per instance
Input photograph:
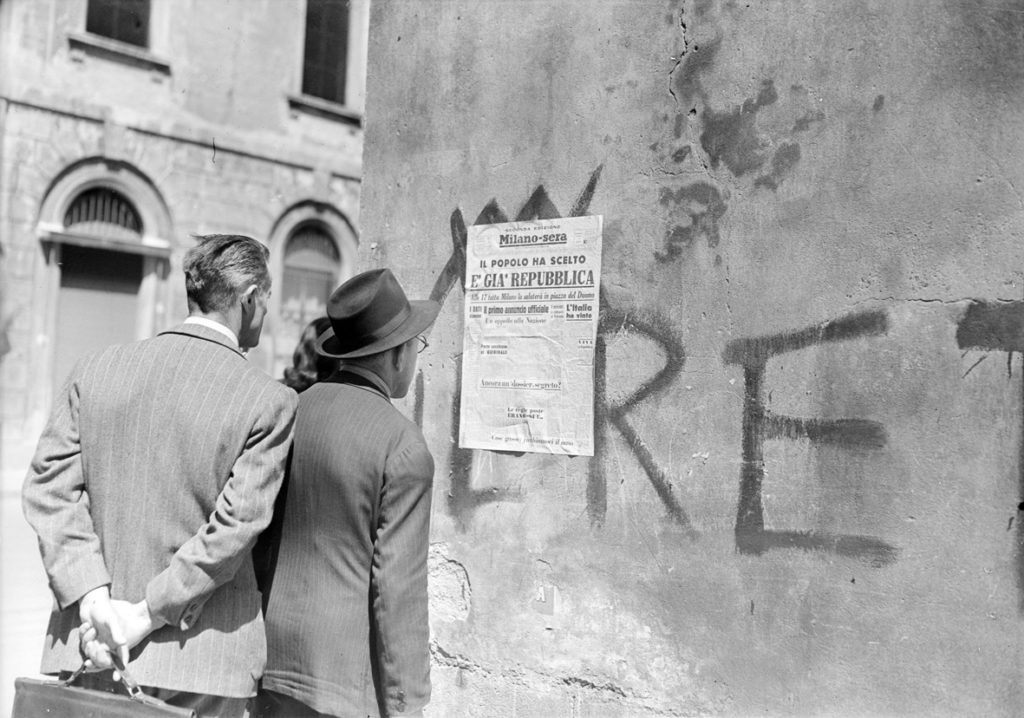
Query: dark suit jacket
(157, 470)
(347, 629)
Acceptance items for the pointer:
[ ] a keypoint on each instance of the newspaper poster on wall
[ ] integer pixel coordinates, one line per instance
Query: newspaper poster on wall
(530, 325)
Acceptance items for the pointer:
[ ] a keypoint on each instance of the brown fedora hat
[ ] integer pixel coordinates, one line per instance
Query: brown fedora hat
(369, 314)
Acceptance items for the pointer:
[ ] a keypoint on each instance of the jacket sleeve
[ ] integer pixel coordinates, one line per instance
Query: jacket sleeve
(56, 504)
(399, 579)
(212, 556)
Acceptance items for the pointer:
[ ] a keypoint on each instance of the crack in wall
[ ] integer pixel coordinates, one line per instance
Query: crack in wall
(934, 300)
(682, 55)
(537, 680)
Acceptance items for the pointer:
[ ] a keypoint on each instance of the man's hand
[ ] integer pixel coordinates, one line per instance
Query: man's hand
(128, 624)
(102, 631)
(136, 620)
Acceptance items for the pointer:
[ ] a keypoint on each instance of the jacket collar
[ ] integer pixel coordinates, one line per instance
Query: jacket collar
(203, 332)
(360, 376)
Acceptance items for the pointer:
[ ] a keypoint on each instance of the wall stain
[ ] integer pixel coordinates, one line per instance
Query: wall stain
(785, 159)
(704, 206)
(731, 137)
(879, 103)
(759, 424)
(688, 84)
(804, 122)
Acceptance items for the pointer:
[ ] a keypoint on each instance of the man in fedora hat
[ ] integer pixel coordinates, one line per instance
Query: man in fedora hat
(347, 626)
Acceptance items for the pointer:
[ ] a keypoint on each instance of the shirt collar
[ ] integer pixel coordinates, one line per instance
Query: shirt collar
(214, 325)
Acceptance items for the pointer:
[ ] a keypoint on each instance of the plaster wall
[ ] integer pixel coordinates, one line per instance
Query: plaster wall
(805, 495)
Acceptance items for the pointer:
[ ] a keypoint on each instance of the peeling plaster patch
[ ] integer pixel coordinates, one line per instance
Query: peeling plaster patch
(731, 137)
(785, 159)
(450, 592)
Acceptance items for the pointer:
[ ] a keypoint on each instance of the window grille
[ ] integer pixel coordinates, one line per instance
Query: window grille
(311, 265)
(124, 20)
(102, 212)
(326, 54)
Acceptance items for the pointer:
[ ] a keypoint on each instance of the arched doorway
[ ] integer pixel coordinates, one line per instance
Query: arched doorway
(103, 231)
(98, 296)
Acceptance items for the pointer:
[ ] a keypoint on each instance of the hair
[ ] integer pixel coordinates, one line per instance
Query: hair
(220, 267)
(309, 367)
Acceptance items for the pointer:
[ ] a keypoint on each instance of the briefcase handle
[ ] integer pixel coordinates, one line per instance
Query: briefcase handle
(134, 691)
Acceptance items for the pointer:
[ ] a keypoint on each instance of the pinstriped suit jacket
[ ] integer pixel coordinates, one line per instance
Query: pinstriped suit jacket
(156, 472)
(347, 629)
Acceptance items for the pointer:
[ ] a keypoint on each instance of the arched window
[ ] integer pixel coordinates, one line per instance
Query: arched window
(104, 213)
(311, 265)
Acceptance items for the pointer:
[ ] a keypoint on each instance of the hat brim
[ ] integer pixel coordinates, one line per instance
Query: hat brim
(422, 313)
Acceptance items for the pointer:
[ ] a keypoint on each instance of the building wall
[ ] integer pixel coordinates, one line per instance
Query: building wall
(208, 123)
(806, 491)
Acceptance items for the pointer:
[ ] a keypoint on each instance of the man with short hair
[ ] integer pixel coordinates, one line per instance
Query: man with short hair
(347, 631)
(157, 470)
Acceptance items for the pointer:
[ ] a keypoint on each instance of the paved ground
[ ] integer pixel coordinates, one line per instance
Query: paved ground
(25, 599)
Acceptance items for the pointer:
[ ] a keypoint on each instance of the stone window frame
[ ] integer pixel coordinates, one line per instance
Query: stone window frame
(350, 111)
(82, 44)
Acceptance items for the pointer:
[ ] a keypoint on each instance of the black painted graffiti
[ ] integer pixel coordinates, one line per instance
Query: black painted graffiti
(999, 326)
(463, 498)
(759, 424)
(613, 321)
(993, 326)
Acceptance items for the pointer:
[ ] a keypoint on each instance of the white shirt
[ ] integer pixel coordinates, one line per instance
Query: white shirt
(216, 326)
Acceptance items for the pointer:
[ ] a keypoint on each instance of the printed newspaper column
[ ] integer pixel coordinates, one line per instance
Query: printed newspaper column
(531, 322)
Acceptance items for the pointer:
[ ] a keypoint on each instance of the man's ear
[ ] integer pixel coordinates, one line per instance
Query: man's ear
(248, 297)
(398, 357)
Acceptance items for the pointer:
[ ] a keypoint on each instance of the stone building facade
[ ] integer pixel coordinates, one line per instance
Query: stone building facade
(126, 126)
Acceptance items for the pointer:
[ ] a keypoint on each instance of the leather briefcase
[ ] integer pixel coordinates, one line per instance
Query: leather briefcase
(35, 698)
